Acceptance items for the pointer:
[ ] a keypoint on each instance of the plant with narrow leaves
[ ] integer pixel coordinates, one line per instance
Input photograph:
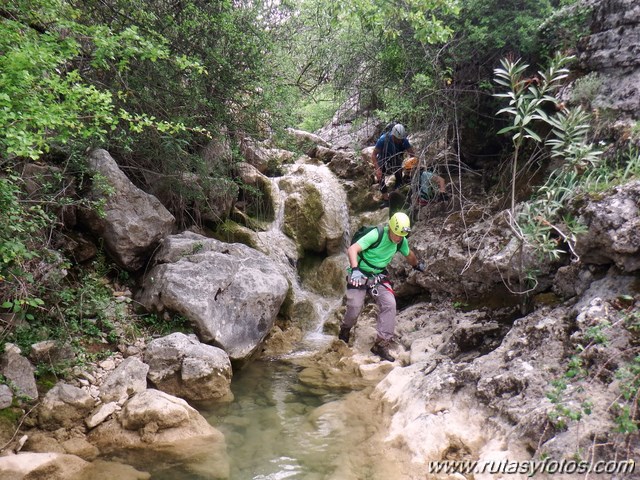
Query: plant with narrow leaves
(527, 98)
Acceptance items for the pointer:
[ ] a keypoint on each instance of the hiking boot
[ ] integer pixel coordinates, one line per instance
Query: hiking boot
(344, 334)
(381, 349)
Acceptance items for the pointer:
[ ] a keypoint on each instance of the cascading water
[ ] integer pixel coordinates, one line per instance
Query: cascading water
(306, 414)
(283, 250)
(278, 427)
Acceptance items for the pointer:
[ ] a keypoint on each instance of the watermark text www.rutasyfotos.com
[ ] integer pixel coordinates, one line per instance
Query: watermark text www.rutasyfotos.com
(532, 467)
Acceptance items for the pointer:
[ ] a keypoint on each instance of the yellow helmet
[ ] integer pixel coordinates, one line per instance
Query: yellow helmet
(410, 163)
(400, 224)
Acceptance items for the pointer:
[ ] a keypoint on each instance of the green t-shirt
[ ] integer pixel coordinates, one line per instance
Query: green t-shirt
(382, 255)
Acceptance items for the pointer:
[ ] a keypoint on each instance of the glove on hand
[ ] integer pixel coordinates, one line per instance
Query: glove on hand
(421, 267)
(442, 197)
(357, 278)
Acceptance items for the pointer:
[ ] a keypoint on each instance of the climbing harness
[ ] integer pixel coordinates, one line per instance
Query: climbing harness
(379, 280)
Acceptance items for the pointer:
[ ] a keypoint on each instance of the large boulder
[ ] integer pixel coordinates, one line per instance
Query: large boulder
(264, 157)
(133, 222)
(613, 234)
(351, 126)
(612, 50)
(305, 139)
(358, 178)
(158, 429)
(315, 210)
(230, 292)
(485, 259)
(182, 366)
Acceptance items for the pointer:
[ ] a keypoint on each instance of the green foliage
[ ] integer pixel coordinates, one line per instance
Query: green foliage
(369, 52)
(19, 248)
(597, 333)
(539, 220)
(565, 409)
(491, 28)
(423, 18)
(79, 312)
(157, 326)
(527, 99)
(626, 421)
(563, 27)
(316, 112)
(9, 417)
(528, 96)
(585, 89)
(46, 98)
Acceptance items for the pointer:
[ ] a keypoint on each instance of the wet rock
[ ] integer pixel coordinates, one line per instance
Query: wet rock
(58, 466)
(328, 279)
(263, 157)
(315, 215)
(182, 366)
(41, 466)
(79, 447)
(39, 441)
(105, 470)
(337, 368)
(155, 428)
(281, 341)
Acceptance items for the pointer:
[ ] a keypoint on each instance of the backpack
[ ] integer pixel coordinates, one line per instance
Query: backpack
(389, 127)
(361, 232)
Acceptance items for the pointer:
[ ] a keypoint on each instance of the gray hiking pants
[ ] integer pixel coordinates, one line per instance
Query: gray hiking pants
(386, 302)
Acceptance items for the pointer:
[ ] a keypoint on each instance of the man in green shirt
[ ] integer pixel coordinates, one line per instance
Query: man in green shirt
(368, 273)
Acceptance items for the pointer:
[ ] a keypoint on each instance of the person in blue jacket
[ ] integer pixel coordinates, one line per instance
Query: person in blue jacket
(387, 157)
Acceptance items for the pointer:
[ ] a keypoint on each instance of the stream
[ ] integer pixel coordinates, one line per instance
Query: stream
(278, 427)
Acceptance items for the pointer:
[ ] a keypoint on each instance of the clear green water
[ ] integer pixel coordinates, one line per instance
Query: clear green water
(273, 430)
(276, 427)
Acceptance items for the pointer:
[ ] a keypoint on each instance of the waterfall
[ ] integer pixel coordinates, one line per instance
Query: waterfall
(285, 253)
